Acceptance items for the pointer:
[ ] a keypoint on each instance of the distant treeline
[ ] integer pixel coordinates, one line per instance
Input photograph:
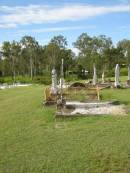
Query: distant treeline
(28, 59)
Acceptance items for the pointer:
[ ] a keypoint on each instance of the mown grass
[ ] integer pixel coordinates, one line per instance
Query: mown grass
(33, 141)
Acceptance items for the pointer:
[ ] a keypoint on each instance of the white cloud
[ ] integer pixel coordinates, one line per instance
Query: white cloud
(38, 14)
(124, 1)
(75, 50)
(124, 28)
(54, 29)
(7, 25)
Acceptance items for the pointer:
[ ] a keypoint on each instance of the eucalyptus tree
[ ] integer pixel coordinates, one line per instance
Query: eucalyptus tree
(29, 50)
(101, 44)
(6, 49)
(15, 55)
(124, 46)
(92, 50)
(68, 57)
(1, 64)
(11, 53)
(84, 45)
(60, 41)
(51, 53)
(39, 60)
(61, 51)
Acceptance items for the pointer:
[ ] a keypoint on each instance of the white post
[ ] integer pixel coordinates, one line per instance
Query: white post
(94, 75)
(117, 73)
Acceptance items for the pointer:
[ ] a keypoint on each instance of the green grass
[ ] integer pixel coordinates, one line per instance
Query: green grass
(32, 141)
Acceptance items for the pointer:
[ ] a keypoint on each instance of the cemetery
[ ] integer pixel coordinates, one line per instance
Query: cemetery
(84, 99)
(98, 118)
(62, 111)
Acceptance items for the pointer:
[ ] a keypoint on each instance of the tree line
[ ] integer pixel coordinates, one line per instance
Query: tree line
(28, 58)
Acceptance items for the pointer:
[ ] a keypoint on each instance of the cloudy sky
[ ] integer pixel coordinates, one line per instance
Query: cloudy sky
(43, 19)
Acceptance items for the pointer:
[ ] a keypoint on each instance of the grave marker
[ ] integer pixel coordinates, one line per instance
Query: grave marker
(117, 76)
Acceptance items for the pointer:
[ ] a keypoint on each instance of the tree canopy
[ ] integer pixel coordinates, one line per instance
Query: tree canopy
(28, 57)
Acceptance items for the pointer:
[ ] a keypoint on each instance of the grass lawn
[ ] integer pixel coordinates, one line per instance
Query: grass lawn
(32, 141)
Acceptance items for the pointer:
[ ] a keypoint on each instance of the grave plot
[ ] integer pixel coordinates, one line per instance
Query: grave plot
(83, 101)
(93, 108)
(79, 92)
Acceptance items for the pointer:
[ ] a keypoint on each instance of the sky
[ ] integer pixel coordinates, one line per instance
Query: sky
(44, 19)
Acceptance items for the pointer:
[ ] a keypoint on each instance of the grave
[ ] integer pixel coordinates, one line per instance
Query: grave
(117, 76)
(77, 85)
(89, 104)
(84, 99)
(51, 93)
(81, 99)
(54, 88)
(103, 78)
(88, 109)
(94, 75)
(95, 83)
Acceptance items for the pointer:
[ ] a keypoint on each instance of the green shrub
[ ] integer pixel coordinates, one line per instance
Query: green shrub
(42, 80)
(71, 78)
(123, 71)
(1, 80)
(7, 80)
(110, 73)
(23, 79)
(26, 79)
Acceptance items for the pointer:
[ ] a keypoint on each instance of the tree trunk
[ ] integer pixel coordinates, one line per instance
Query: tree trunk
(31, 68)
(13, 69)
(14, 76)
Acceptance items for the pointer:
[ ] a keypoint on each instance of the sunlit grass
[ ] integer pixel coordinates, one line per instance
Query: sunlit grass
(33, 141)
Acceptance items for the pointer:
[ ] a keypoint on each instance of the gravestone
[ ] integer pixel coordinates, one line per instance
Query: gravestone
(54, 88)
(94, 75)
(117, 76)
(128, 81)
(62, 74)
(62, 80)
(103, 77)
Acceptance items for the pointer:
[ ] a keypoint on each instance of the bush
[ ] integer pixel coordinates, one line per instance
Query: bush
(42, 80)
(71, 78)
(7, 80)
(111, 73)
(1, 80)
(25, 79)
(123, 71)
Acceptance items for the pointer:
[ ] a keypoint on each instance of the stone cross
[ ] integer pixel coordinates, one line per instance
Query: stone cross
(94, 75)
(117, 75)
(54, 82)
(129, 72)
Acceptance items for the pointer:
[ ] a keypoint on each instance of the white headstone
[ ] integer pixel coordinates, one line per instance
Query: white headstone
(129, 72)
(117, 76)
(103, 79)
(54, 82)
(94, 75)
(62, 74)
